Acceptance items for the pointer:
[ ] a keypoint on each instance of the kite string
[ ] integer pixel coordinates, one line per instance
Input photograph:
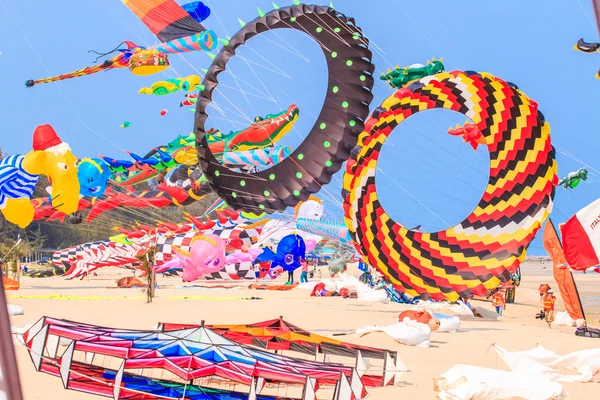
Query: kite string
(573, 157)
(411, 195)
(424, 34)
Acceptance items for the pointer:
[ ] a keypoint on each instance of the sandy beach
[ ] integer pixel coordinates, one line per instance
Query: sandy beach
(125, 308)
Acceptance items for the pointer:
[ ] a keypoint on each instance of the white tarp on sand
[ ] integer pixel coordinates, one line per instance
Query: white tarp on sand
(466, 382)
(448, 323)
(411, 333)
(563, 318)
(579, 366)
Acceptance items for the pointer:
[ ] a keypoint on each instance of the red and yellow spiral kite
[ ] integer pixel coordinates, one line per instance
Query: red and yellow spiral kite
(489, 245)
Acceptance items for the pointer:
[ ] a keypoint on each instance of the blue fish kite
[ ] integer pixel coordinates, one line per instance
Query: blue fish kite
(289, 252)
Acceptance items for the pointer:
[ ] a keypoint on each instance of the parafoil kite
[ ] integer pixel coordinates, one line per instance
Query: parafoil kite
(197, 10)
(328, 144)
(403, 76)
(483, 250)
(586, 47)
(19, 174)
(162, 88)
(572, 180)
(175, 27)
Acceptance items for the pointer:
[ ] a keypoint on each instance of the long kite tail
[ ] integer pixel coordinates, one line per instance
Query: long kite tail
(105, 66)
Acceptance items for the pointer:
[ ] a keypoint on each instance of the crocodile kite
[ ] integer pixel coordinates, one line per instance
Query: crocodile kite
(403, 76)
(264, 132)
(573, 179)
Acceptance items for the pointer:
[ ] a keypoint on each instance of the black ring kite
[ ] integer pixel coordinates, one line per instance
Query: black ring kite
(483, 250)
(328, 144)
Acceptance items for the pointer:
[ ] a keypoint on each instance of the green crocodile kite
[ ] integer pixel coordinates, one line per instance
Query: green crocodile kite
(574, 178)
(401, 77)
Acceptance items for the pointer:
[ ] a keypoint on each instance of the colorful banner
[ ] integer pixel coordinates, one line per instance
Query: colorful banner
(562, 273)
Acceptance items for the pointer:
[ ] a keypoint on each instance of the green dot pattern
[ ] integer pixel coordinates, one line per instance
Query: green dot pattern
(335, 89)
(217, 173)
(333, 54)
(337, 30)
(319, 30)
(345, 104)
(363, 78)
(355, 36)
(349, 63)
(326, 144)
(299, 175)
(234, 195)
(352, 122)
(296, 193)
(293, 19)
(261, 206)
(266, 193)
(323, 125)
(328, 163)
(300, 156)
(242, 183)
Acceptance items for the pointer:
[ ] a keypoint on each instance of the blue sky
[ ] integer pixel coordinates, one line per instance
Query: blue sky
(426, 177)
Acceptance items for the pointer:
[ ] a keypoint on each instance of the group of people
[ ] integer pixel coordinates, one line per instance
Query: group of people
(303, 271)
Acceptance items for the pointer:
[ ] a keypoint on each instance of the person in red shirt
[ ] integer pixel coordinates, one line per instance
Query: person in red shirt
(499, 301)
(304, 274)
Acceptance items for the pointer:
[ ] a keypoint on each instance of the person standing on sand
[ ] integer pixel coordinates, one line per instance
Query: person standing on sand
(256, 269)
(499, 301)
(549, 301)
(304, 274)
(544, 287)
